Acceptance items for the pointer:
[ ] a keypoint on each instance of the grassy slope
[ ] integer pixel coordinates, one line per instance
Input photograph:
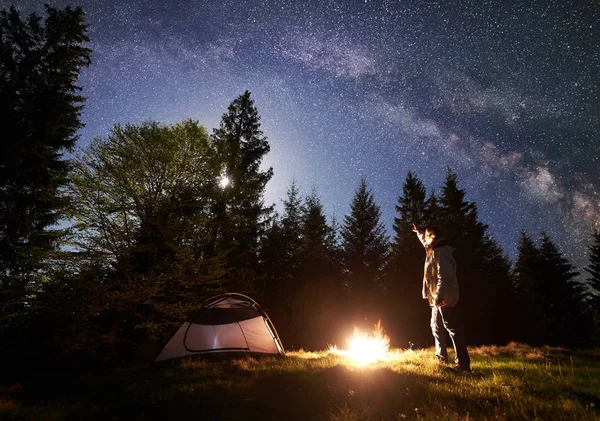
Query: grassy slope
(509, 383)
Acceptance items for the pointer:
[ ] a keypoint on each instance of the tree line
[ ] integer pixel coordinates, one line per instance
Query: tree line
(104, 253)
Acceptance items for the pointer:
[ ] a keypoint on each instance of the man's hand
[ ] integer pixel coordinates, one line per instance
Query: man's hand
(439, 302)
(414, 228)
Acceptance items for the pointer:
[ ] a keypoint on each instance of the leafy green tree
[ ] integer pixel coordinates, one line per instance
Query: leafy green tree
(41, 106)
(141, 205)
(365, 252)
(240, 216)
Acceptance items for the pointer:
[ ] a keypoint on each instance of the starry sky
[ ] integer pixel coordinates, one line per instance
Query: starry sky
(505, 94)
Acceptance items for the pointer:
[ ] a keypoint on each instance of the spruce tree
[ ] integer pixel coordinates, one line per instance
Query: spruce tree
(562, 297)
(317, 257)
(280, 260)
(365, 251)
(483, 268)
(593, 282)
(316, 304)
(291, 224)
(432, 210)
(240, 216)
(593, 271)
(529, 309)
(405, 273)
(41, 107)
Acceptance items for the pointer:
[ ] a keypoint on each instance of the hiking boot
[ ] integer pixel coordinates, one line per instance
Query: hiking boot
(441, 359)
(462, 368)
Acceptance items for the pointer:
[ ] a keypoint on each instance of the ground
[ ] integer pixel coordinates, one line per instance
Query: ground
(514, 382)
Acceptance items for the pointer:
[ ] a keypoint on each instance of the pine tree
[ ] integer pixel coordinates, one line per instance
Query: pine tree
(458, 216)
(593, 282)
(41, 107)
(291, 223)
(593, 271)
(365, 250)
(240, 217)
(280, 260)
(526, 273)
(318, 243)
(405, 273)
(316, 304)
(483, 268)
(433, 208)
(562, 297)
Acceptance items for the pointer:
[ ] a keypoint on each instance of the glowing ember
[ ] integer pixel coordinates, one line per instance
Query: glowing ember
(364, 348)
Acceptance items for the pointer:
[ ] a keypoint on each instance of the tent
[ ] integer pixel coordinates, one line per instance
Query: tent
(227, 324)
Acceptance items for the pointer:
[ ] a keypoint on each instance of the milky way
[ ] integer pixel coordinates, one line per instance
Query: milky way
(505, 95)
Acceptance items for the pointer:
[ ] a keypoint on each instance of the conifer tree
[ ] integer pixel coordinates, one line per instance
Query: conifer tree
(316, 305)
(365, 250)
(483, 268)
(280, 259)
(405, 273)
(593, 271)
(291, 224)
(317, 258)
(593, 282)
(240, 216)
(41, 106)
(526, 275)
(432, 210)
(562, 297)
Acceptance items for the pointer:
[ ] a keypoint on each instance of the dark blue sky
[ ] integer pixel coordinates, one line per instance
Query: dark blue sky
(507, 95)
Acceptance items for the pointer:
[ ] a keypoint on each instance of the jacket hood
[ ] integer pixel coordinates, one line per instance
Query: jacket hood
(440, 243)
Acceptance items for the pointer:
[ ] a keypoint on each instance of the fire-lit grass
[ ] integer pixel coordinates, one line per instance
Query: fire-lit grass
(514, 382)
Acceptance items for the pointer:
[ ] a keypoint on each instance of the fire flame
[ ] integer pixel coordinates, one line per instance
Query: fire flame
(365, 348)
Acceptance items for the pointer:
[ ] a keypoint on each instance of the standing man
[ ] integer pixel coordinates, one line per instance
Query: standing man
(440, 287)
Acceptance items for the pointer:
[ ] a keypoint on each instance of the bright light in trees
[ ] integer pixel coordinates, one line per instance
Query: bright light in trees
(224, 182)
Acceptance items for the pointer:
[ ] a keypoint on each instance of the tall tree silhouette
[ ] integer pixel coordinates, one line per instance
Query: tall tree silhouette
(280, 259)
(562, 297)
(41, 106)
(483, 268)
(405, 272)
(240, 216)
(317, 304)
(365, 252)
(526, 274)
(593, 281)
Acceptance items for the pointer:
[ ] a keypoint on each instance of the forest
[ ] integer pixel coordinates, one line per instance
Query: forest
(105, 249)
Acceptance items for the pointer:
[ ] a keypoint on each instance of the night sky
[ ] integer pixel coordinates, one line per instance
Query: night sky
(505, 95)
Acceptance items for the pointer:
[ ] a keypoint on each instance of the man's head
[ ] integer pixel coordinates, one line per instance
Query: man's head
(432, 233)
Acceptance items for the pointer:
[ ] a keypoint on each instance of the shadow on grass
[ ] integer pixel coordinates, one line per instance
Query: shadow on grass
(276, 390)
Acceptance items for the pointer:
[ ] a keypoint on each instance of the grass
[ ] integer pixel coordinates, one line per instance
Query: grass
(514, 382)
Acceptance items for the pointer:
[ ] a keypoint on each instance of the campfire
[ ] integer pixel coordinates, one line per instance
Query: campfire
(364, 348)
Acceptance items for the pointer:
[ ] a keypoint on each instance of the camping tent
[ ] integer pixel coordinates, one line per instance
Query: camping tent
(227, 324)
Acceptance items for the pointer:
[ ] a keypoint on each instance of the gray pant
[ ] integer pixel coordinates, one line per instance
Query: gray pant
(449, 319)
